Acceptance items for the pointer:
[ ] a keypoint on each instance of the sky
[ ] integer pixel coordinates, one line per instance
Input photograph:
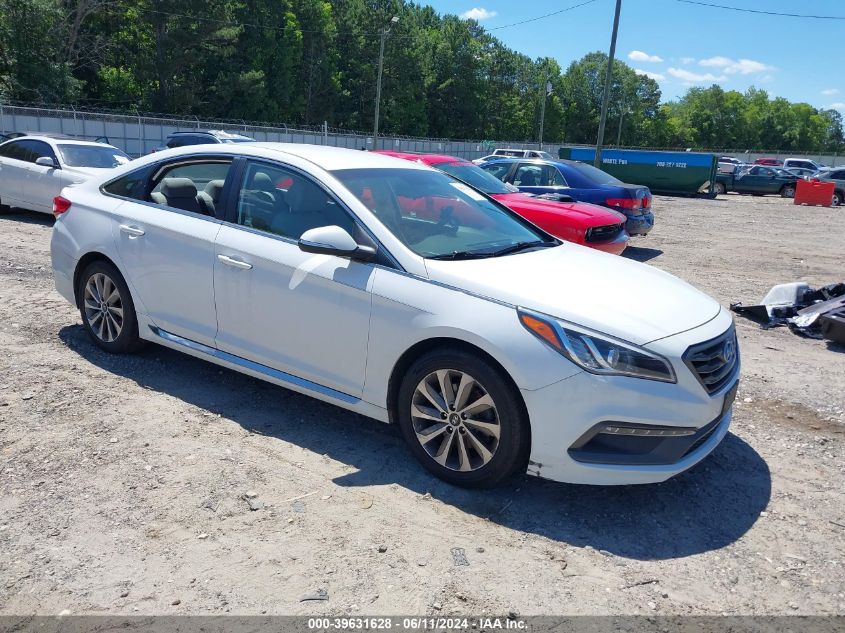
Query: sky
(681, 44)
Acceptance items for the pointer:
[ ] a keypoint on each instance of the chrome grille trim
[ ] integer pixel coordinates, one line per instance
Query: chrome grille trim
(708, 363)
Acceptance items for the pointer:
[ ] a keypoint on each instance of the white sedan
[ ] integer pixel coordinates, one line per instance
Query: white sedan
(395, 291)
(34, 169)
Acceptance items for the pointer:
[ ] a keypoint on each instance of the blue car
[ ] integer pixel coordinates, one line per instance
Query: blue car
(580, 182)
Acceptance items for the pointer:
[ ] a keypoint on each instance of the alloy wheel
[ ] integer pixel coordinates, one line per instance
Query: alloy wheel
(103, 307)
(455, 420)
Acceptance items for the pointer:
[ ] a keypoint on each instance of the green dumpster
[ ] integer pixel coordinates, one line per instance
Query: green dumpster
(674, 173)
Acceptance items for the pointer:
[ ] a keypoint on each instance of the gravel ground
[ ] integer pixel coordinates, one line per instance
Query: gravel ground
(160, 484)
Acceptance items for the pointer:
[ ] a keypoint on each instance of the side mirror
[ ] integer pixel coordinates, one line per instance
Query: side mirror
(333, 240)
(46, 161)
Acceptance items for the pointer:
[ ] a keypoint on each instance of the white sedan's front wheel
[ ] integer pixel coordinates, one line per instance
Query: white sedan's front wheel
(462, 419)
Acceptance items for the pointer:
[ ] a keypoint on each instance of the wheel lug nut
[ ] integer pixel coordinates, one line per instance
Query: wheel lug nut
(463, 416)
(443, 415)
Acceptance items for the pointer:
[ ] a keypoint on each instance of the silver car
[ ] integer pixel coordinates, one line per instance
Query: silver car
(35, 168)
(836, 175)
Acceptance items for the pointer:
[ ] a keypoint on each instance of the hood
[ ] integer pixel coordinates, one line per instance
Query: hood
(626, 299)
(590, 214)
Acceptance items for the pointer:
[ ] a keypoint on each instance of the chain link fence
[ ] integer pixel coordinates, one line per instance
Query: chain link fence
(138, 134)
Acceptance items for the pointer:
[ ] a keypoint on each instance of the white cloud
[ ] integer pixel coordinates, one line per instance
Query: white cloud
(651, 75)
(639, 56)
(695, 78)
(839, 105)
(687, 60)
(830, 91)
(733, 67)
(478, 14)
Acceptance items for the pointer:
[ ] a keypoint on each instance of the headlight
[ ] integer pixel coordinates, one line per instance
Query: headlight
(597, 353)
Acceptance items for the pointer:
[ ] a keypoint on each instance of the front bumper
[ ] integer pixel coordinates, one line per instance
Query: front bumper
(639, 224)
(568, 419)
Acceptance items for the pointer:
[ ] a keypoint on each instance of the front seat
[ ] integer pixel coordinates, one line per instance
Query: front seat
(308, 209)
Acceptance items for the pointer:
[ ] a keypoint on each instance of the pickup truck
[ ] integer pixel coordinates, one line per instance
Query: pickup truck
(757, 180)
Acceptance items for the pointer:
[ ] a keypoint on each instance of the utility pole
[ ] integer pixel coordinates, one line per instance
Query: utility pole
(384, 33)
(545, 91)
(607, 81)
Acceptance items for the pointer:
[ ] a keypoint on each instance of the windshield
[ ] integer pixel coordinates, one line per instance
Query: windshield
(242, 139)
(545, 155)
(437, 216)
(595, 175)
(100, 156)
(476, 177)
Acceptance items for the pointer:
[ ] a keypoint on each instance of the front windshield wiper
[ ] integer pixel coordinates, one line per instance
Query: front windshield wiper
(462, 255)
(521, 246)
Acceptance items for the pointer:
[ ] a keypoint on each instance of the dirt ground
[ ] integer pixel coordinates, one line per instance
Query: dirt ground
(127, 484)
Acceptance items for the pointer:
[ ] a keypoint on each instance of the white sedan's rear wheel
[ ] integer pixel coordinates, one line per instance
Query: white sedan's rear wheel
(107, 310)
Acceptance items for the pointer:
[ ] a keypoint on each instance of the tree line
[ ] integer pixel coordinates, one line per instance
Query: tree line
(309, 61)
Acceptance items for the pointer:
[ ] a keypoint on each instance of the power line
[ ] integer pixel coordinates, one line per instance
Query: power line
(541, 17)
(760, 11)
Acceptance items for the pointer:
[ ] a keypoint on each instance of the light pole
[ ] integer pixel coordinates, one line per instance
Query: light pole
(384, 32)
(545, 91)
(608, 76)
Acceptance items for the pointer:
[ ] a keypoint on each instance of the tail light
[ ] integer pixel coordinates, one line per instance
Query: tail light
(60, 205)
(625, 203)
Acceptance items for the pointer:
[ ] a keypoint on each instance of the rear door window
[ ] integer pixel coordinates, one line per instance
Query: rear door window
(131, 185)
(196, 187)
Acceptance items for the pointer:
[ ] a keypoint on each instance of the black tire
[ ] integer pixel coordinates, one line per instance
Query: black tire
(4, 209)
(127, 339)
(720, 188)
(837, 198)
(787, 191)
(512, 445)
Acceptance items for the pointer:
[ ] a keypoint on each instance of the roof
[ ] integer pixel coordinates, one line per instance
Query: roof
(58, 138)
(322, 156)
(216, 133)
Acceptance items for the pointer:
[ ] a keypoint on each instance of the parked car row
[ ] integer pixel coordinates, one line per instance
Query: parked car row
(406, 289)
(578, 181)
(577, 222)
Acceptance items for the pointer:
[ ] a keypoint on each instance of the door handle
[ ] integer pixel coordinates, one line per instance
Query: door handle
(131, 231)
(235, 263)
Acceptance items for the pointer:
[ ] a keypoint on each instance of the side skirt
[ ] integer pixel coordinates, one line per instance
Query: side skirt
(257, 370)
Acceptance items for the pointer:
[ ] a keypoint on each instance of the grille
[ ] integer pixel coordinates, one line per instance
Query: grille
(603, 233)
(714, 362)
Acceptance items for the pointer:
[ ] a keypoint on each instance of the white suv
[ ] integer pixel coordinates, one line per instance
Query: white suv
(396, 291)
(34, 169)
(514, 153)
(804, 163)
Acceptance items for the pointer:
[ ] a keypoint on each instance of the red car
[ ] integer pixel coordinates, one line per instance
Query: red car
(773, 162)
(578, 222)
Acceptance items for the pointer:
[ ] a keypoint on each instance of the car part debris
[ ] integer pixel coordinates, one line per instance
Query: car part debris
(832, 326)
(809, 312)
